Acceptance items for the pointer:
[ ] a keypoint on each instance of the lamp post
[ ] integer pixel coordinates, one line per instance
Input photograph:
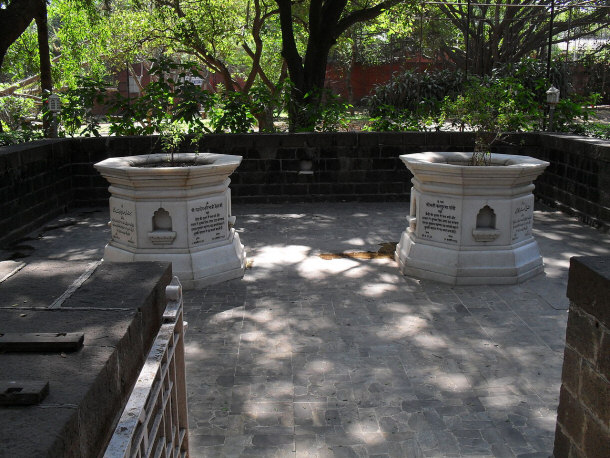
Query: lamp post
(552, 98)
(54, 106)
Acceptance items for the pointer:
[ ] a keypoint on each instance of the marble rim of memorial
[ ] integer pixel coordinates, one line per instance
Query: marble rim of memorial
(132, 170)
(508, 175)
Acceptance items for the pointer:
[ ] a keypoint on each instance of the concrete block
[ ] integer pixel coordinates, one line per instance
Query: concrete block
(589, 286)
(571, 417)
(570, 376)
(595, 394)
(596, 441)
(582, 335)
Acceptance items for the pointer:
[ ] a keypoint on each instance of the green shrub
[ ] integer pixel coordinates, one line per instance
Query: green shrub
(232, 113)
(76, 117)
(17, 112)
(393, 119)
(19, 136)
(420, 93)
(323, 111)
(598, 130)
(491, 106)
(18, 120)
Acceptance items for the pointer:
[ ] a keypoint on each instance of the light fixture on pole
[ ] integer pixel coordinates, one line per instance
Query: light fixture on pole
(552, 98)
(54, 107)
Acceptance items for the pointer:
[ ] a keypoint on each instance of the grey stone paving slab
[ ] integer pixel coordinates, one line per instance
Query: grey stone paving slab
(346, 357)
(309, 357)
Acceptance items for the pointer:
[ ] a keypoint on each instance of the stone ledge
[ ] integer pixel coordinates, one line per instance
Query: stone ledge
(119, 309)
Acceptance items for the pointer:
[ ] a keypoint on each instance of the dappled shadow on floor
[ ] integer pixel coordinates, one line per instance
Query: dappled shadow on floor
(346, 357)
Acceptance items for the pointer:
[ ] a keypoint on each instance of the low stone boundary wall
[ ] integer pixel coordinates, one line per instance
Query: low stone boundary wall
(35, 185)
(41, 179)
(577, 180)
(583, 416)
(119, 309)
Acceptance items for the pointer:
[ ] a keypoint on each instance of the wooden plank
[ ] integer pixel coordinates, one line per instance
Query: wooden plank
(22, 392)
(41, 341)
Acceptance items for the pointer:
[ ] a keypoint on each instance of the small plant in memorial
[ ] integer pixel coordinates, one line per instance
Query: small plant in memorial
(491, 107)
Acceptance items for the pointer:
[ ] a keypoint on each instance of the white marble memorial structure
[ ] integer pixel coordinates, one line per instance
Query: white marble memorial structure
(470, 224)
(180, 214)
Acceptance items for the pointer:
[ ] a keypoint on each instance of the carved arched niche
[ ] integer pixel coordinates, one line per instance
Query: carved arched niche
(486, 218)
(161, 220)
(162, 233)
(485, 230)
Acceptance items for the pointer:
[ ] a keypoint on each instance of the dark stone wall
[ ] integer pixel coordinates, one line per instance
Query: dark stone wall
(35, 185)
(578, 179)
(583, 416)
(326, 166)
(43, 179)
(89, 187)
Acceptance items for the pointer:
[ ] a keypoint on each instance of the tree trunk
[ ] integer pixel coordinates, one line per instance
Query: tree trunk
(46, 81)
(14, 19)
(326, 22)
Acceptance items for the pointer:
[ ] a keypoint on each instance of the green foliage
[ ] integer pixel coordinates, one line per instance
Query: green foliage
(80, 37)
(76, 117)
(573, 115)
(233, 113)
(16, 112)
(323, 111)
(531, 73)
(597, 68)
(21, 59)
(168, 102)
(14, 137)
(491, 106)
(16, 115)
(331, 115)
(168, 99)
(413, 91)
(598, 130)
(390, 118)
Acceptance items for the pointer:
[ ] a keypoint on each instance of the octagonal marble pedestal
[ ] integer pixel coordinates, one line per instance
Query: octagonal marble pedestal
(178, 214)
(470, 224)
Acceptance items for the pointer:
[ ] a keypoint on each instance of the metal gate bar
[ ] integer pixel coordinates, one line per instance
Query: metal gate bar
(154, 422)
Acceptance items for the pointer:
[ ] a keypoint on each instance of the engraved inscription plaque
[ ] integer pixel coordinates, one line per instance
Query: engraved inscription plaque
(523, 217)
(123, 221)
(439, 219)
(207, 220)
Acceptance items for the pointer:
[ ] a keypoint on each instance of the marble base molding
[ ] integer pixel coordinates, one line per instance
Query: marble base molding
(470, 224)
(178, 214)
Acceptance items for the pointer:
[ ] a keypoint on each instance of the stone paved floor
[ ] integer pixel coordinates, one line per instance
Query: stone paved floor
(309, 357)
(345, 357)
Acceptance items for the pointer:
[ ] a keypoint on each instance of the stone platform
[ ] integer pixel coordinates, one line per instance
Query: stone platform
(307, 356)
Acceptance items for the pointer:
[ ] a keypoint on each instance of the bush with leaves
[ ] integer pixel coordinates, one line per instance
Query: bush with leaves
(598, 130)
(531, 74)
(323, 111)
(14, 137)
(76, 116)
(391, 119)
(490, 107)
(171, 97)
(597, 68)
(418, 92)
(17, 119)
(574, 115)
(232, 113)
(16, 112)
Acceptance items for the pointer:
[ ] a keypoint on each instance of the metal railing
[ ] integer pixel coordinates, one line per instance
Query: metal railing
(154, 422)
